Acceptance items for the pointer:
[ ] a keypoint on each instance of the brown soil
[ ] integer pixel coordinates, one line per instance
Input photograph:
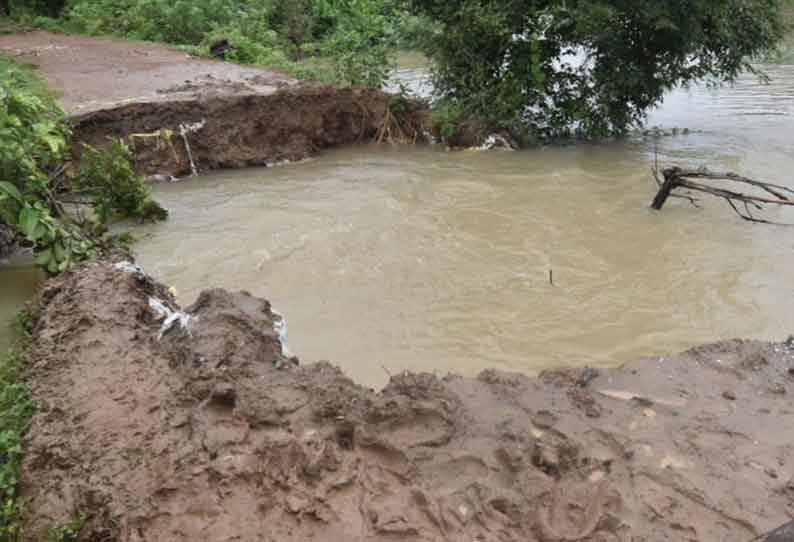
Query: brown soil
(236, 116)
(210, 434)
(243, 130)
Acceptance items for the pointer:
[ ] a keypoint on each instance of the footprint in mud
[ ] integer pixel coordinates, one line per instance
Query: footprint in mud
(455, 474)
(577, 510)
(426, 428)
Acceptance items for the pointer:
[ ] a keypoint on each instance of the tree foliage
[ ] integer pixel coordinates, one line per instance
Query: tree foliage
(587, 67)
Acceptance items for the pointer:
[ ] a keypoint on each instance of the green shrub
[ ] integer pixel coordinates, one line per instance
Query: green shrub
(34, 140)
(16, 409)
(446, 116)
(108, 176)
(344, 41)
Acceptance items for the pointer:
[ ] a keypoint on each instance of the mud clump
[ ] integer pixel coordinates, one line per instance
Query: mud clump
(209, 433)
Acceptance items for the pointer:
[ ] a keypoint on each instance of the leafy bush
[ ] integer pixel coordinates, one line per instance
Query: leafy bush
(344, 41)
(447, 116)
(359, 43)
(108, 177)
(33, 141)
(16, 409)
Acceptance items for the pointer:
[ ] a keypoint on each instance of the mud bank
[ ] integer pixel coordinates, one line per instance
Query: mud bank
(245, 130)
(231, 115)
(210, 433)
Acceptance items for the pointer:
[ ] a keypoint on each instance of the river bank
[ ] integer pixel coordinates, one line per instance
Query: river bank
(220, 436)
(173, 108)
(212, 431)
(181, 114)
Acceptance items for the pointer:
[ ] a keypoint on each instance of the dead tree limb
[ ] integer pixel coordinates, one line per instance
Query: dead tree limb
(690, 179)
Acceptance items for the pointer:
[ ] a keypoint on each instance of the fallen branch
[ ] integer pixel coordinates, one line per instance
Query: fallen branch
(742, 203)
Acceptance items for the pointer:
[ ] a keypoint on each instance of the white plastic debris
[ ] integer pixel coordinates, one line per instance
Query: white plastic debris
(195, 127)
(160, 178)
(496, 141)
(129, 267)
(170, 318)
(280, 327)
(184, 130)
(429, 137)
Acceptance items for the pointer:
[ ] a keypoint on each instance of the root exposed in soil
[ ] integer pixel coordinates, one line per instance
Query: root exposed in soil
(210, 434)
(247, 130)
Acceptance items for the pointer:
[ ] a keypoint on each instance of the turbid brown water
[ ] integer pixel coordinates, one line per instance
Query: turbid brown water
(18, 281)
(440, 261)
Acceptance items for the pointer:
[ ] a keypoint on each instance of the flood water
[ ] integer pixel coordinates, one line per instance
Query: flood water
(391, 258)
(18, 282)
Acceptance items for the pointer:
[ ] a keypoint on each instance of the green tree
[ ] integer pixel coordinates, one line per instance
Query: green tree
(587, 67)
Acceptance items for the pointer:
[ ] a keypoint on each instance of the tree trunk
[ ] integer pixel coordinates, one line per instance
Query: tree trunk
(4, 10)
(670, 182)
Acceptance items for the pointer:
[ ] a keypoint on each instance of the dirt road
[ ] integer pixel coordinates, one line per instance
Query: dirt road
(91, 74)
(231, 116)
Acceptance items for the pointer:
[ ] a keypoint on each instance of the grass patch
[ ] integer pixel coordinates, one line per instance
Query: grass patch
(16, 410)
(23, 75)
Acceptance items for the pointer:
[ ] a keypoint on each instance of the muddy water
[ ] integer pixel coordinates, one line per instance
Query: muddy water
(18, 281)
(386, 259)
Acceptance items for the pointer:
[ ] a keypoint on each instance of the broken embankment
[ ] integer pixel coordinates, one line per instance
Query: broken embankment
(248, 130)
(198, 435)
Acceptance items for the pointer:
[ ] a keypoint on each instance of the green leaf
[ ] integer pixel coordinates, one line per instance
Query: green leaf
(11, 190)
(28, 220)
(44, 258)
(59, 251)
(39, 231)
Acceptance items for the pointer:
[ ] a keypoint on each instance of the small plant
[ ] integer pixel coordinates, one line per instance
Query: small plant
(108, 176)
(447, 116)
(25, 322)
(16, 409)
(66, 532)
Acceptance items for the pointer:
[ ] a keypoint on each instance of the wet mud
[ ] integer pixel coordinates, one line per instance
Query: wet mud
(202, 429)
(233, 131)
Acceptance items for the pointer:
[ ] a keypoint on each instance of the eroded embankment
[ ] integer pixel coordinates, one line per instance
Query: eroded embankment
(211, 434)
(249, 129)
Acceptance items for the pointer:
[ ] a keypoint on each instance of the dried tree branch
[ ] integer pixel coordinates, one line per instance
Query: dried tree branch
(686, 178)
